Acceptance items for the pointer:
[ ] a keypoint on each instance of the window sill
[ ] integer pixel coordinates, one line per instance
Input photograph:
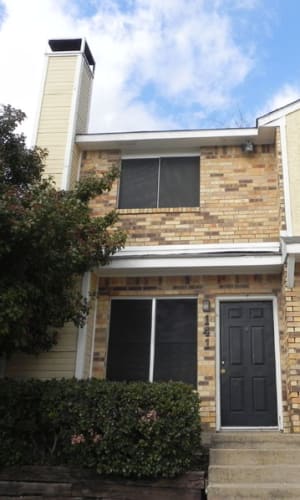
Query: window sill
(123, 211)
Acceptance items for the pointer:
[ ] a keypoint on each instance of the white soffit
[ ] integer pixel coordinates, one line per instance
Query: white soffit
(174, 140)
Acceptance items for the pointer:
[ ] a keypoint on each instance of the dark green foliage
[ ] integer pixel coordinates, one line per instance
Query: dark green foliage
(19, 166)
(48, 238)
(129, 430)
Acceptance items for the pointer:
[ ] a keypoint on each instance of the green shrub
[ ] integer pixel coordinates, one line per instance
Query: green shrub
(130, 430)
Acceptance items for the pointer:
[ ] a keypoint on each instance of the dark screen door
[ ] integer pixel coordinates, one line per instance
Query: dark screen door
(247, 364)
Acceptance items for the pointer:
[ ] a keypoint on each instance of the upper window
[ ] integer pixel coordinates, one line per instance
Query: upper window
(160, 182)
(153, 340)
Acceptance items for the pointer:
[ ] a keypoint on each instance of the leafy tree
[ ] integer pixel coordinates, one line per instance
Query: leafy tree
(48, 239)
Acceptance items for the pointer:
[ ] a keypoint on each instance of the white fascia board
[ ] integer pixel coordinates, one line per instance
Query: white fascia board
(285, 172)
(183, 141)
(273, 116)
(167, 134)
(248, 264)
(174, 250)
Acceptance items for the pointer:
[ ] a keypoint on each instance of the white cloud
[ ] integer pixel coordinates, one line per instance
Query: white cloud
(285, 95)
(155, 61)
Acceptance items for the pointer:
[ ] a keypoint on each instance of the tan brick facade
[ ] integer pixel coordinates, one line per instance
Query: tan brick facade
(208, 287)
(239, 201)
(291, 349)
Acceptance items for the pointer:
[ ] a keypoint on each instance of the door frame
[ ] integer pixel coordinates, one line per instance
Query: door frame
(249, 298)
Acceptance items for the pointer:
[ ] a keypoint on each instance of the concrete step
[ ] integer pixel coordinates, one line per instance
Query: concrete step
(254, 439)
(254, 456)
(252, 491)
(249, 465)
(253, 474)
(265, 440)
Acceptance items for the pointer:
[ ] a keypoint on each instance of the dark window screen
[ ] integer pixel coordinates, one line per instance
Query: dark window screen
(138, 184)
(176, 341)
(179, 182)
(129, 340)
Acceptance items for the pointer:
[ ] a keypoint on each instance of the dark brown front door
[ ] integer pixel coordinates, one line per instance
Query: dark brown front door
(247, 364)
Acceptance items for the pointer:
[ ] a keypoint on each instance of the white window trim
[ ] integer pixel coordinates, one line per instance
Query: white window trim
(152, 340)
(248, 298)
(94, 332)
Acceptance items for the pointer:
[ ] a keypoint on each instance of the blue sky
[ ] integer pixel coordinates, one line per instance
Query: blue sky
(160, 64)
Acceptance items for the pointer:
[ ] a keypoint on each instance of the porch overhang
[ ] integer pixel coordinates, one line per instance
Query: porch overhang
(180, 260)
(135, 143)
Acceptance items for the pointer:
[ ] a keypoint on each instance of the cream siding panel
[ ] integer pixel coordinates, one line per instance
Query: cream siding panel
(55, 112)
(56, 139)
(57, 363)
(75, 166)
(293, 149)
(84, 101)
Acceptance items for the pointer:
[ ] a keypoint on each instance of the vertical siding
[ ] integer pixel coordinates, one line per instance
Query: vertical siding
(293, 149)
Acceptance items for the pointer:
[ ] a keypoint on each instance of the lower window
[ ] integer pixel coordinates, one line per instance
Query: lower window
(153, 340)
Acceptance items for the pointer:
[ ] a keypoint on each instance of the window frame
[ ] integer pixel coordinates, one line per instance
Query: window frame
(159, 157)
(153, 327)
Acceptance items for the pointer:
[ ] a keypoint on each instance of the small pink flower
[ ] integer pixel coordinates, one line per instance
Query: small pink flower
(97, 438)
(77, 439)
(150, 416)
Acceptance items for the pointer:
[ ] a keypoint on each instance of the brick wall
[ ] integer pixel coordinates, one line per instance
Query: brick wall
(202, 287)
(239, 200)
(291, 349)
(278, 153)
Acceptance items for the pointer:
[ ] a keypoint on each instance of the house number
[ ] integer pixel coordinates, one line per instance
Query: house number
(206, 332)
